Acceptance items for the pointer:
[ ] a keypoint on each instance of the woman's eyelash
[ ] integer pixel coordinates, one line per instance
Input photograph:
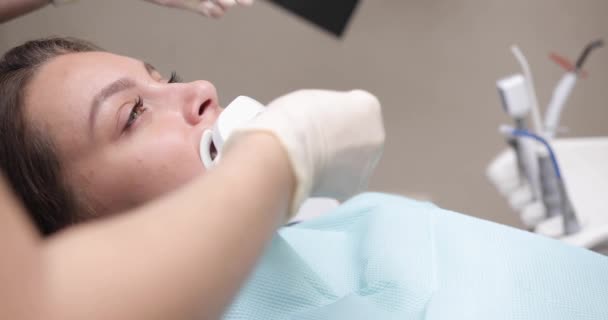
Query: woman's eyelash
(138, 108)
(136, 111)
(175, 78)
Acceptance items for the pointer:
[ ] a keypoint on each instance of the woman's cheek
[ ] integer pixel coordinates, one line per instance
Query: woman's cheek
(173, 156)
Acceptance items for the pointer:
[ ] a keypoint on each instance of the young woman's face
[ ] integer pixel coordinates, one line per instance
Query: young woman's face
(123, 133)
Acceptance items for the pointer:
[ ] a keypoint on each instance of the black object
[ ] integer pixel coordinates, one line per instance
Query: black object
(591, 46)
(330, 15)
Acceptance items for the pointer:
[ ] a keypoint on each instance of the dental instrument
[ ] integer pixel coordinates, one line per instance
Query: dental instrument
(514, 96)
(571, 224)
(237, 113)
(516, 102)
(525, 66)
(550, 186)
(563, 90)
(582, 162)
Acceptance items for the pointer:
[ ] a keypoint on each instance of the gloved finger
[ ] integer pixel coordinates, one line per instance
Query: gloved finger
(225, 4)
(185, 4)
(245, 2)
(192, 5)
(210, 9)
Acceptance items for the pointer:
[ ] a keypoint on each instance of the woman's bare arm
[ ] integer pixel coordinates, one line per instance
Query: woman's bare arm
(181, 256)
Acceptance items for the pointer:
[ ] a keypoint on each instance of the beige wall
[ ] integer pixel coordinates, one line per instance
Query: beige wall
(433, 63)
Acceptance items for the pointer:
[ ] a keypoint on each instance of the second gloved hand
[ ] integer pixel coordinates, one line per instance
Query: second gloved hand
(209, 8)
(333, 140)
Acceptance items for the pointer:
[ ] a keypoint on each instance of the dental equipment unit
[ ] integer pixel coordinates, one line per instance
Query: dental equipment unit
(550, 202)
(569, 218)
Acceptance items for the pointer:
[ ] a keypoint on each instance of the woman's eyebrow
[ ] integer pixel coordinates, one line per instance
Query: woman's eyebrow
(150, 68)
(153, 72)
(105, 93)
(112, 89)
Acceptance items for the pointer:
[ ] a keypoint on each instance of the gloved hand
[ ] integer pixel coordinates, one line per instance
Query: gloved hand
(333, 140)
(209, 8)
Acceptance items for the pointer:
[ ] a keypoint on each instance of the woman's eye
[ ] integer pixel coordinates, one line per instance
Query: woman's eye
(136, 111)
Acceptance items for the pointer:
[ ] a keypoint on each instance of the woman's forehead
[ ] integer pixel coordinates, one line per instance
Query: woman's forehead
(71, 80)
(87, 66)
(59, 96)
(74, 79)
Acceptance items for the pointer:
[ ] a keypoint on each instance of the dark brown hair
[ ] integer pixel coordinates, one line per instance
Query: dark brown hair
(27, 155)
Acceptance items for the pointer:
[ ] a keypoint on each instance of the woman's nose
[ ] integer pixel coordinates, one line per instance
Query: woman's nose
(200, 97)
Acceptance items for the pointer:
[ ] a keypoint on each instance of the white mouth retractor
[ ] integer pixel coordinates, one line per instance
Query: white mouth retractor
(237, 113)
(206, 147)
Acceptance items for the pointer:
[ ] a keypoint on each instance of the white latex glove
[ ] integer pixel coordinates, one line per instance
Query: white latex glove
(333, 140)
(209, 8)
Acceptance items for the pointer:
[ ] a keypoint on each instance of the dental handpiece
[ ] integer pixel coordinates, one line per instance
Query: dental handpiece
(563, 90)
(240, 111)
(517, 103)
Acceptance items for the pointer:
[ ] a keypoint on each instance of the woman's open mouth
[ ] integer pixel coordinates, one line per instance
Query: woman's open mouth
(212, 150)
